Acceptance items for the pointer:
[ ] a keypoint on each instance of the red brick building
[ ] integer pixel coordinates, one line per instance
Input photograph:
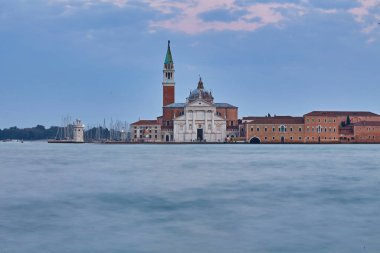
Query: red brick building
(277, 129)
(329, 126)
(367, 132)
(313, 127)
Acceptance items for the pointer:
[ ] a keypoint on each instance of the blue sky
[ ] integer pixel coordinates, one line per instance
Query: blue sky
(96, 59)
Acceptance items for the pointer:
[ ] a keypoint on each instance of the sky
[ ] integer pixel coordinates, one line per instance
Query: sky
(103, 59)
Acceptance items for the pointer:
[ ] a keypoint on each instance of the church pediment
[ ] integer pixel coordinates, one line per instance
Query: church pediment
(199, 103)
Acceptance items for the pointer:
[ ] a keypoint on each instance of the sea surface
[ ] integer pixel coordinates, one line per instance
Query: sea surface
(189, 198)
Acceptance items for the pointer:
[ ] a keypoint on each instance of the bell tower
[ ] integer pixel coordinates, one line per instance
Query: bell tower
(168, 84)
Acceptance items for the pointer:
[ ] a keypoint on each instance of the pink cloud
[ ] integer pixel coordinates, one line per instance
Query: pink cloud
(187, 15)
(364, 9)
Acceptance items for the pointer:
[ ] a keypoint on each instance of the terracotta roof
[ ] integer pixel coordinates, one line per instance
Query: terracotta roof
(367, 123)
(340, 113)
(145, 123)
(275, 120)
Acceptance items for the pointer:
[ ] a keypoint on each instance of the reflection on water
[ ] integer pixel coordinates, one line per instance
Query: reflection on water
(189, 198)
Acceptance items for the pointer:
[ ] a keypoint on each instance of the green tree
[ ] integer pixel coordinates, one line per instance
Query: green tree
(348, 121)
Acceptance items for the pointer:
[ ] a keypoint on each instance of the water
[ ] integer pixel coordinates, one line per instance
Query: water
(189, 198)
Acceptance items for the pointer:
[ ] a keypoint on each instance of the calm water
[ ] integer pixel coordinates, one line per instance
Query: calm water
(189, 198)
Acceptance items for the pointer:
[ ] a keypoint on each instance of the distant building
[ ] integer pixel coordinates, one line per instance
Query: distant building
(198, 119)
(367, 132)
(145, 131)
(78, 131)
(313, 127)
(330, 126)
(277, 129)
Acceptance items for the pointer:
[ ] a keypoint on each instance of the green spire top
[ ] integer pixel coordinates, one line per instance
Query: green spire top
(168, 58)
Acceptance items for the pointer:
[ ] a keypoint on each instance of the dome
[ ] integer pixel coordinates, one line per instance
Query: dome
(200, 93)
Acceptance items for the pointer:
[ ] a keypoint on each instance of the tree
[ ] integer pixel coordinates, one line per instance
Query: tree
(348, 121)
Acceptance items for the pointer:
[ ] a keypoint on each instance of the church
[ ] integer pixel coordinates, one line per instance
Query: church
(198, 119)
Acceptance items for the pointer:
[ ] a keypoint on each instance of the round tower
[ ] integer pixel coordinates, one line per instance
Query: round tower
(78, 129)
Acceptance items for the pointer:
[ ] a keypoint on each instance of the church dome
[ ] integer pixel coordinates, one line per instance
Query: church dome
(200, 93)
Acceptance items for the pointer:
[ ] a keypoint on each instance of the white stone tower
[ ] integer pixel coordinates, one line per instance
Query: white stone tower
(78, 129)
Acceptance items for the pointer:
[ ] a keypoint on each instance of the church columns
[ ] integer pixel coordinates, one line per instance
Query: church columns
(206, 129)
(186, 123)
(194, 126)
(212, 121)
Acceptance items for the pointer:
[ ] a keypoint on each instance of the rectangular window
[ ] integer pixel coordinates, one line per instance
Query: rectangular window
(258, 129)
(265, 129)
(251, 129)
(273, 129)
(155, 136)
(299, 129)
(291, 129)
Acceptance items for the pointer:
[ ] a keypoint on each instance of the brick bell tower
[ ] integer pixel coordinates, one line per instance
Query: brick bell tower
(168, 84)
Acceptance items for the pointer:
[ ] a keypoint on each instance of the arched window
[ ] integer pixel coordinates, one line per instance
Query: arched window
(282, 129)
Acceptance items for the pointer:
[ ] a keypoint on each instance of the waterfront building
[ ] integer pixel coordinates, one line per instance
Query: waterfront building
(201, 119)
(198, 119)
(332, 126)
(277, 129)
(78, 131)
(367, 132)
(313, 127)
(145, 131)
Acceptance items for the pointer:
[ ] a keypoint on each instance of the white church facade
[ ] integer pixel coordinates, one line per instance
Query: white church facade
(200, 121)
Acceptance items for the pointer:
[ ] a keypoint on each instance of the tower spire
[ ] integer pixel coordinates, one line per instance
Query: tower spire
(200, 84)
(168, 58)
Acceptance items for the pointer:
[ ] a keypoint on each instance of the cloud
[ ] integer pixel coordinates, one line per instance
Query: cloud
(327, 11)
(367, 15)
(364, 10)
(186, 16)
(70, 6)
